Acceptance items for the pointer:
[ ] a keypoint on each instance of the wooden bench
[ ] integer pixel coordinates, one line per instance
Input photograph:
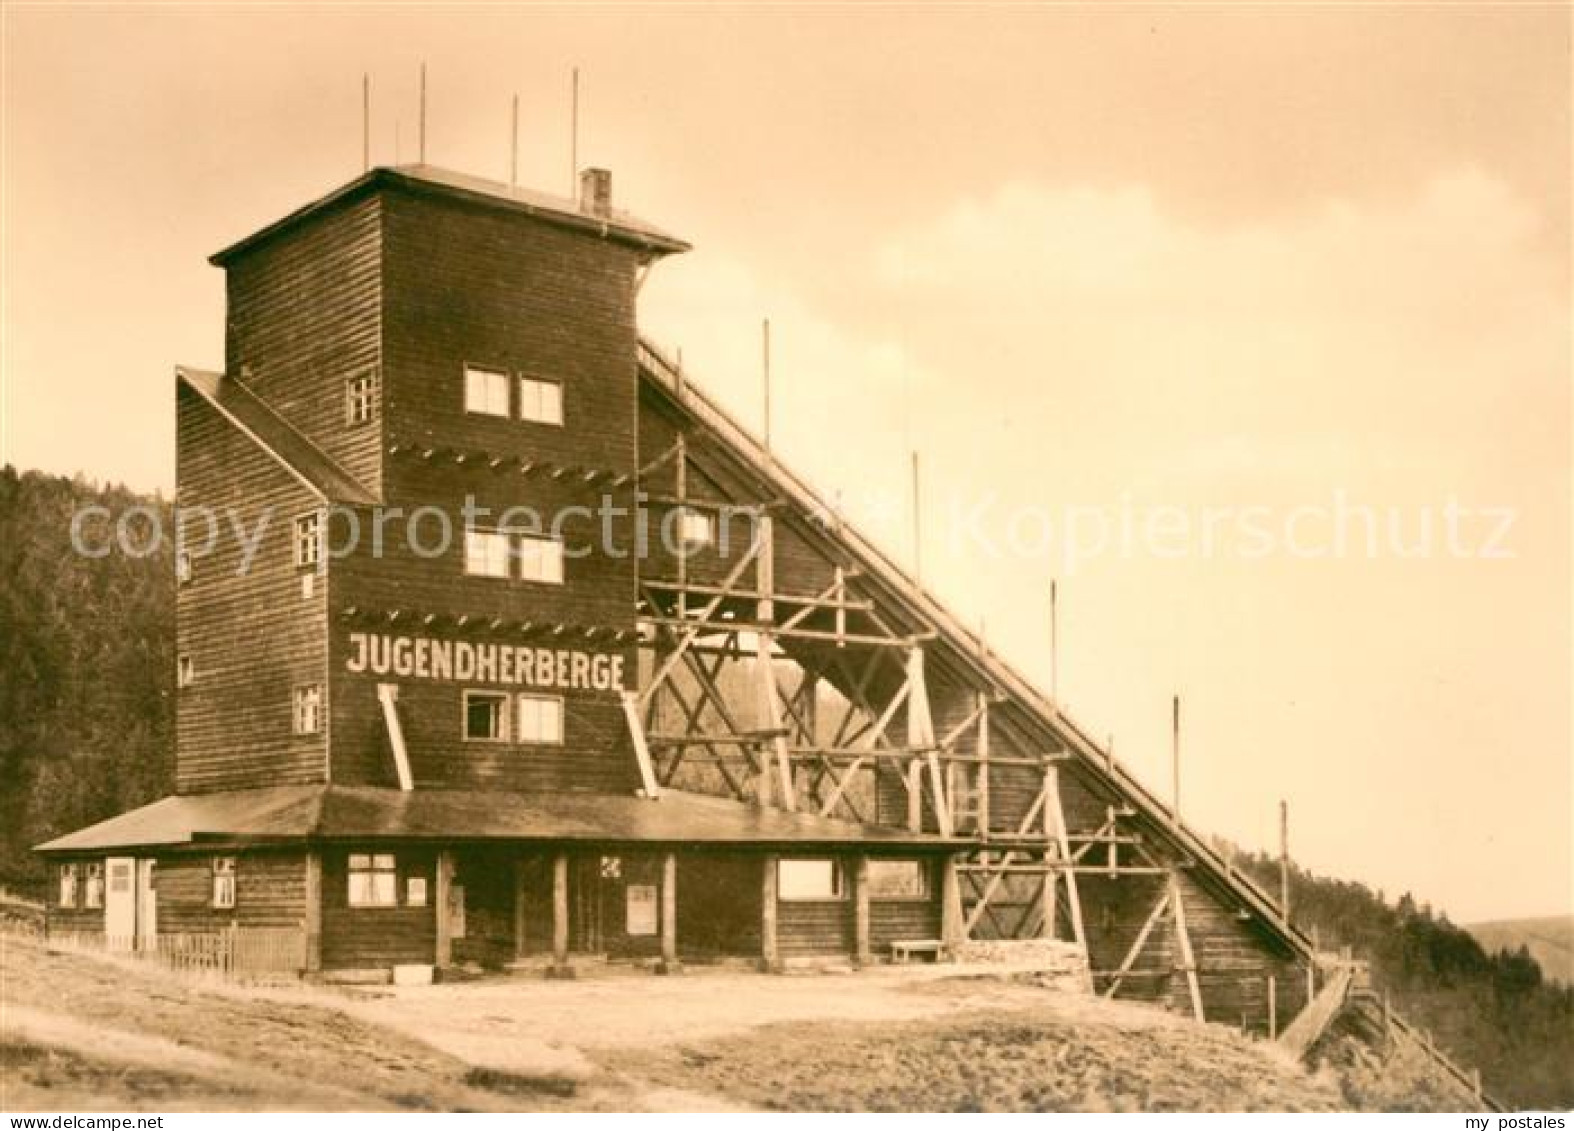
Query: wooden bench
(902, 950)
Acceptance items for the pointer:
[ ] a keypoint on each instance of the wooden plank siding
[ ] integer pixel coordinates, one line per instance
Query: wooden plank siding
(270, 891)
(814, 928)
(472, 284)
(252, 637)
(304, 315)
(372, 937)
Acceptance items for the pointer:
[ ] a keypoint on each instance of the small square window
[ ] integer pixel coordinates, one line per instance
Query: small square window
(808, 879)
(308, 539)
(486, 391)
(307, 709)
(374, 880)
(898, 879)
(486, 553)
(540, 401)
(486, 716)
(224, 881)
(540, 559)
(696, 529)
(612, 867)
(68, 885)
(415, 891)
(540, 718)
(93, 884)
(185, 670)
(359, 394)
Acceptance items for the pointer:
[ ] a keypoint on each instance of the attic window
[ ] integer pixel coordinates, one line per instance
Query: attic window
(358, 394)
(308, 539)
(486, 391)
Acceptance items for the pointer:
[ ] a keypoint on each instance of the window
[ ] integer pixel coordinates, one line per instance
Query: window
(486, 553)
(183, 567)
(374, 881)
(415, 891)
(308, 709)
(540, 718)
(540, 559)
(308, 539)
(696, 529)
(808, 879)
(68, 885)
(898, 879)
(486, 716)
(612, 867)
(486, 391)
(358, 393)
(540, 401)
(185, 670)
(93, 884)
(224, 881)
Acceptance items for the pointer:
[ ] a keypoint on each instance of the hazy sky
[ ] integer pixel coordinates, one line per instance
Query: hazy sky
(1113, 259)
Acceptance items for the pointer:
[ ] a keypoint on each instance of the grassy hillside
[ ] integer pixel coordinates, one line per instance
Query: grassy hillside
(1549, 940)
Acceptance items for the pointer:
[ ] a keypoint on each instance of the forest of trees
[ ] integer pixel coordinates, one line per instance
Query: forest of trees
(87, 731)
(1491, 1011)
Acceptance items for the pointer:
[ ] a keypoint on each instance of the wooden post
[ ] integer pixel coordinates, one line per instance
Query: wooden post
(918, 539)
(765, 378)
(1388, 1016)
(521, 864)
(1054, 644)
(861, 950)
(775, 752)
(1187, 956)
(1050, 898)
(1284, 860)
(952, 932)
(1273, 1007)
(560, 962)
(669, 913)
(915, 795)
(313, 912)
(770, 955)
(1475, 1083)
(444, 950)
(983, 765)
(1311, 981)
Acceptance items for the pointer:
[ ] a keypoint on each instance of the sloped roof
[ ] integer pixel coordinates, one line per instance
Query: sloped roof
(334, 812)
(277, 436)
(620, 226)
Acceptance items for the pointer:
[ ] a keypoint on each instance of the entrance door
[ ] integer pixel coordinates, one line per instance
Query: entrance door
(147, 905)
(120, 903)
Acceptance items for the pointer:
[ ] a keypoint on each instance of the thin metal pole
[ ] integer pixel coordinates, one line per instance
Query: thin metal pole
(420, 155)
(366, 121)
(1284, 859)
(1175, 756)
(1054, 641)
(573, 137)
(918, 529)
(765, 377)
(513, 147)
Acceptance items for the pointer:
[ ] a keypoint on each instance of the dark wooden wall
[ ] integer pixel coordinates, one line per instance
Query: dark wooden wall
(304, 316)
(372, 937)
(252, 637)
(270, 891)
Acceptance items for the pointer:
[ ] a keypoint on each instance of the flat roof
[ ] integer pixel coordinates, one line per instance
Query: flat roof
(302, 813)
(621, 227)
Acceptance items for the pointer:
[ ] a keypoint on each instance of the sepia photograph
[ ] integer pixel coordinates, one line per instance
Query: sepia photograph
(812, 558)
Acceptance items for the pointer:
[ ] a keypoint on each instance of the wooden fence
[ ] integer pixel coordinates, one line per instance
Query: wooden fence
(238, 953)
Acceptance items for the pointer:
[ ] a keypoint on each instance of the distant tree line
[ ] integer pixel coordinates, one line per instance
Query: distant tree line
(1494, 1011)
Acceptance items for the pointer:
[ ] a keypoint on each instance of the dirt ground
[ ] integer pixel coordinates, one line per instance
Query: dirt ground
(84, 1033)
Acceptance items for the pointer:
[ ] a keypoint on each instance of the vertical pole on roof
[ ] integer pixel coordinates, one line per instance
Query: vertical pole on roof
(918, 540)
(420, 153)
(1175, 777)
(366, 121)
(1054, 643)
(1284, 859)
(513, 147)
(765, 377)
(573, 136)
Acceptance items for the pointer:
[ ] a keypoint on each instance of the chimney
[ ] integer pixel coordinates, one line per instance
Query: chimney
(595, 192)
